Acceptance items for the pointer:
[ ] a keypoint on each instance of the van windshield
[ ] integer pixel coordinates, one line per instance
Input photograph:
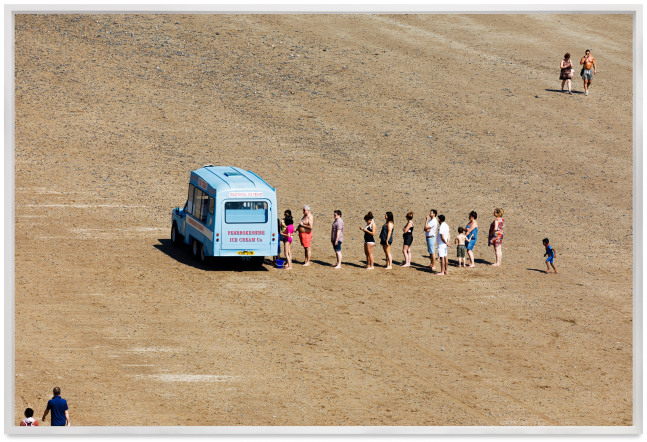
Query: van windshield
(245, 212)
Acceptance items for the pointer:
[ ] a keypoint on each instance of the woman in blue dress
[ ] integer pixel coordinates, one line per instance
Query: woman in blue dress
(472, 230)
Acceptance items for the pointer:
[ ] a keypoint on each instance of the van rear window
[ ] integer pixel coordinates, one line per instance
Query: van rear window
(245, 212)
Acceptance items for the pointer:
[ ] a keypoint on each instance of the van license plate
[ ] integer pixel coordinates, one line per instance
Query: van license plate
(245, 253)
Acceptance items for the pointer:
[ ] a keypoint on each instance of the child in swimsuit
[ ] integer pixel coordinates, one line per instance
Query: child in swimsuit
(460, 249)
(550, 255)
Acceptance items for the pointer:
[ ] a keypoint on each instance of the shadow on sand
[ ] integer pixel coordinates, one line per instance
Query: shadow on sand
(183, 255)
(560, 92)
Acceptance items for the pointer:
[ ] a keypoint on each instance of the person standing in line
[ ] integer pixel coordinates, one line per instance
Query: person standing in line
(460, 246)
(337, 236)
(566, 72)
(431, 227)
(281, 227)
(58, 407)
(471, 231)
(550, 255)
(29, 420)
(386, 239)
(305, 233)
(288, 231)
(407, 237)
(443, 241)
(369, 239)
(495, 238)
(587, 63)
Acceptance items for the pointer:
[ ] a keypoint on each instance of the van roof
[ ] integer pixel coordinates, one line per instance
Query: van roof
(231, 178)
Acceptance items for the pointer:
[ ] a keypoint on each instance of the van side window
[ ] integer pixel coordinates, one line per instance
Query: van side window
(200, 205)
(197, 206)
(212, 205)
(190, 200)
(205, 207)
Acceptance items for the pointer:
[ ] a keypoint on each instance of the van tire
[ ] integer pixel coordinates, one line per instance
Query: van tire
(175, 236)
(257, 261)
(203, 258)
(195, 249)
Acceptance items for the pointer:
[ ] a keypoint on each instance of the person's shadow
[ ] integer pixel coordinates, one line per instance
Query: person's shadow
(536, 270)
(560, 91)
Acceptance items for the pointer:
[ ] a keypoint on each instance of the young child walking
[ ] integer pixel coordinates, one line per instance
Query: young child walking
(461, 249)
(550, 254)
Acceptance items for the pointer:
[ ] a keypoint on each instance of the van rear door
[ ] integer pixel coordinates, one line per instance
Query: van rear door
(247, 225)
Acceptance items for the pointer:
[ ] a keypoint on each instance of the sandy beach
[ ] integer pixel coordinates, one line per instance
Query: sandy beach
(398, 113)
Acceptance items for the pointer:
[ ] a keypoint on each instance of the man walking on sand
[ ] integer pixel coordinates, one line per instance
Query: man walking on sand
(587, 63)
(305, 233)
(337, 236)
(58, 406)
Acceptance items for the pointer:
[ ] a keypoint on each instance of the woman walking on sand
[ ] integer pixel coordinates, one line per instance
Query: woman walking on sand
(386, 239)
(407, 237)
(471, 231)
(286, 236)
(369, 239)
(496, 235)
(566, 72)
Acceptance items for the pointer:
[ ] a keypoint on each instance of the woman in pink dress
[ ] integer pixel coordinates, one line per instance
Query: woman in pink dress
(496, 235)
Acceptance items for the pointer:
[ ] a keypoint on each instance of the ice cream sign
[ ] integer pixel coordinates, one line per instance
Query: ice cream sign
(245, 194)
(246, 236)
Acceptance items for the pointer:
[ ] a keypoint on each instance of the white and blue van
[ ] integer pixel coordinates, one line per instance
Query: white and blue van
(228, 212)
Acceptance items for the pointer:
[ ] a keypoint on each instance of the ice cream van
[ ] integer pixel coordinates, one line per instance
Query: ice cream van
(228, 212)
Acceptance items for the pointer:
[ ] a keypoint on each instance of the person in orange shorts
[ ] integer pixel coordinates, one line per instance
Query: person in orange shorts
(305, 232)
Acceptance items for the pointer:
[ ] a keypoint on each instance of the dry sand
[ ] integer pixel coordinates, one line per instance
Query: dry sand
(350, 112)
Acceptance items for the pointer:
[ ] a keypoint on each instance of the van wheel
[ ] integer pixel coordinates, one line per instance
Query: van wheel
(196, 249)
(257, 261)
(203, 259)
(175, 236)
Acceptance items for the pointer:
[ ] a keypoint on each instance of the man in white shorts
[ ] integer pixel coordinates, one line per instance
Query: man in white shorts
(431, 227)
(443, 240)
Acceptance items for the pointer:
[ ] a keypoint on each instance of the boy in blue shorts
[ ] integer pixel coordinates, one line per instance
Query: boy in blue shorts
(550, 254)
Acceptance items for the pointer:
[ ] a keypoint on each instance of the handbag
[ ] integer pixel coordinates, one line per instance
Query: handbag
(582, 72)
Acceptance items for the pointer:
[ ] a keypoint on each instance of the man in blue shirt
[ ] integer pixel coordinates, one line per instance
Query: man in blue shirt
(58, 405)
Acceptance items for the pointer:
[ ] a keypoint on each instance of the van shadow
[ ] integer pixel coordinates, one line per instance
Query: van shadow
(183, 255)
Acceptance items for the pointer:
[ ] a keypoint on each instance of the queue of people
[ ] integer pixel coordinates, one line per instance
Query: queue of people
(437, 236)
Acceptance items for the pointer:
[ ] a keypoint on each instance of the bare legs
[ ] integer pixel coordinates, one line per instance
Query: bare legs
(568, 82)
(548, 268)
(406, 251)
(338, 253)
(497, 255)
(368, 250)
(470, 254)
(307, 258)
(587, 85)
(288, 254)
(443, 265)
(389, 258)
